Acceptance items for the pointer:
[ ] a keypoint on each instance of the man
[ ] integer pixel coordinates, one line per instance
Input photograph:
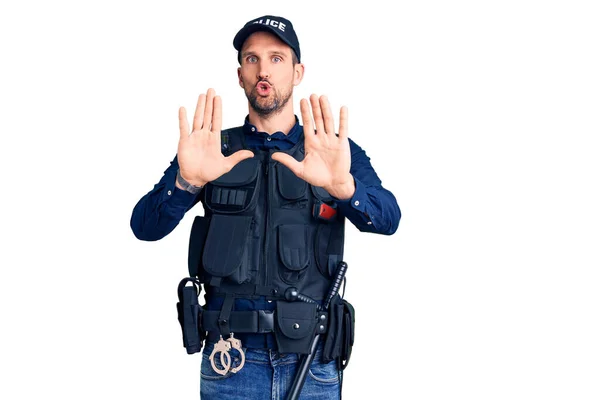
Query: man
(275, 196)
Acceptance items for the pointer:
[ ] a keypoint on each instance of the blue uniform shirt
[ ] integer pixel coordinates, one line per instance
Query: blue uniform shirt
(372, 208)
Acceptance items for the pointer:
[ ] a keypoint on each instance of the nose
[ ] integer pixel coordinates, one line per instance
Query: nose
(263, 71)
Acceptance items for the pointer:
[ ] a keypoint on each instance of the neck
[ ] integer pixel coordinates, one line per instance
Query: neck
(280, 122)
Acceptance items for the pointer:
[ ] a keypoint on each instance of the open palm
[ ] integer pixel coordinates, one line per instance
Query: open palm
(199, 152)
(327, 158)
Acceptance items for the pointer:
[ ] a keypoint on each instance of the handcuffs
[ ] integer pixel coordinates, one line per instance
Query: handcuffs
(223, 347)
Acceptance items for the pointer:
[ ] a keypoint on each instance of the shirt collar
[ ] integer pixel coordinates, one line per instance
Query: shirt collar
(286, 141)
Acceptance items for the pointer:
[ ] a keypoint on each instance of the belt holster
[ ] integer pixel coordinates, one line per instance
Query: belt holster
(189, 314)
(340, 335)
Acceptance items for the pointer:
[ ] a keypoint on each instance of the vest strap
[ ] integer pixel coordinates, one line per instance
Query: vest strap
(224, 315)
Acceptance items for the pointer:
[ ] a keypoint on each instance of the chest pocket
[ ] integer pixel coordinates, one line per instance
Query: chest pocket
(235, 191)
(290, 187)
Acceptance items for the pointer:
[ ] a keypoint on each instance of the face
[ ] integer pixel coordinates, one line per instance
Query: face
(267, 73)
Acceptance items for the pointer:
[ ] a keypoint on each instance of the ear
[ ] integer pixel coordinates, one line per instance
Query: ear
(298, 73)
(240, 81)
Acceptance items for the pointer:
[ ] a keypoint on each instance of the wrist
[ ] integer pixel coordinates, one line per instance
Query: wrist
(191, 187)
(344, 190)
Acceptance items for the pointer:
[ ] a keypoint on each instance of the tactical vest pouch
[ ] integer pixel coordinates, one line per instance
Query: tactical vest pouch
(235, 191)
(189, 314)
(225, 249)
(293, 252)
(348, 334)
(296, 326)
(340, 336)
(196, 244)
(289, 185)
(329, 246)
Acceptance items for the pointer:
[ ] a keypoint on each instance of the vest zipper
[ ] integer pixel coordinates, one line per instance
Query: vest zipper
(267, 220)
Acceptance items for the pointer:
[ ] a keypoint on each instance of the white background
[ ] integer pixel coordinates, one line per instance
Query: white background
(481, 117)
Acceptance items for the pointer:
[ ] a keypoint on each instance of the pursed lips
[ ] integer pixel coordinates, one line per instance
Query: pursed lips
(263, 88)
(263, 85)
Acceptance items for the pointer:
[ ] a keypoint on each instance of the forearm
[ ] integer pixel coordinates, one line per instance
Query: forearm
(158, 212)
(371, 209)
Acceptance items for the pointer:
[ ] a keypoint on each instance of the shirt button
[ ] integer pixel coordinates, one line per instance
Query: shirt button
(369, 223)
(253, 129)
(356, 202)
(269, 139)
(169, 192)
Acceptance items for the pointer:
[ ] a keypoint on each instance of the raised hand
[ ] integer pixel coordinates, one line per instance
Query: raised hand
(199, 152)
(327, 156)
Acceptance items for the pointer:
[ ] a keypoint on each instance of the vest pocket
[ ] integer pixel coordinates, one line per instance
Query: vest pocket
(225, 251)
(235, 191)
(295, 328)
(293, 252)
(196, 244)
(329, 248)
(289, 185)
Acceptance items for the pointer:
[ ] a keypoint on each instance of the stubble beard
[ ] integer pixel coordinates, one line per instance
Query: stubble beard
(271, 105)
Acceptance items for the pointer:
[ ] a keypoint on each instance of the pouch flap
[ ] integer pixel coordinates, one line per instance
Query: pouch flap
(225, 244)
(243, 173)
(296, 319)
(290, 186)
(293, 250)
(321, 193)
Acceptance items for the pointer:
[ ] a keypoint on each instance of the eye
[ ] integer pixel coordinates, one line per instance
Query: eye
(277, 59)
(251, 59)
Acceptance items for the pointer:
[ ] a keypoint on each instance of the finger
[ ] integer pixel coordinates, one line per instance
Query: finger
(213, 141)
(217, 115)
(294, 165)
(317, 115)
(199, 114)
(327, 116)
(210, 95)
(240, 155)
(184, 127)
(343, 123)
(307, 124)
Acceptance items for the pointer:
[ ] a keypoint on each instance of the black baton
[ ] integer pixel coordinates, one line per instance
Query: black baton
(300, 377)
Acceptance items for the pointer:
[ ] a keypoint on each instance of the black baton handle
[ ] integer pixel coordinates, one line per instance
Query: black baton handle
(302, 372)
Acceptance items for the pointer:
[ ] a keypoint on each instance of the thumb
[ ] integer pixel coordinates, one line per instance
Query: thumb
(236, 157)
(294, 165)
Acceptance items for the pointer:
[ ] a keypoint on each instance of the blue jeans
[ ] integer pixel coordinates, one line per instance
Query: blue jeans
(267, 375)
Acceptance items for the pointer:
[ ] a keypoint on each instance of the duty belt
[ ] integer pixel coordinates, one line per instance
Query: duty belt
(259, 321)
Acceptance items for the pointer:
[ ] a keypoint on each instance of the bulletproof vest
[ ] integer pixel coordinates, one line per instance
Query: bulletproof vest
(265, 230)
